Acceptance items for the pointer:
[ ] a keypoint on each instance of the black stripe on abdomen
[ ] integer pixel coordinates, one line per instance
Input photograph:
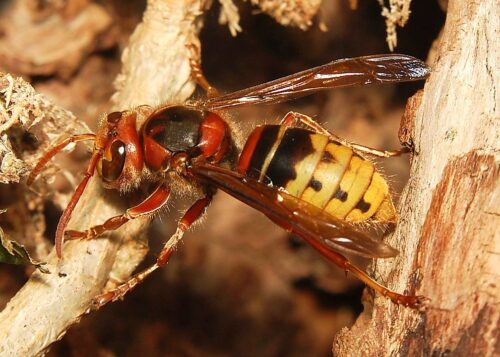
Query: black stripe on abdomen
(266, 141)
(293, 148)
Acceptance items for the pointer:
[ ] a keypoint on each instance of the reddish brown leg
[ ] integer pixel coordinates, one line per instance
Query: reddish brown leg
(149, 206)
(197, 72)
(191, 215)
(53, 151)
(379, 153)
(291, 118)
(412, 301)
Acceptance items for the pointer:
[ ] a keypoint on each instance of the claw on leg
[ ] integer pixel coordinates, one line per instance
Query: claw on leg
(120, 291)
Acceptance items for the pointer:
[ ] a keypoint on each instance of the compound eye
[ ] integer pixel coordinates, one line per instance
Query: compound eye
(112, 169)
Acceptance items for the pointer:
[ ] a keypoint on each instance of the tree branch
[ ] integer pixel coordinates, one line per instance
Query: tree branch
(155, 70)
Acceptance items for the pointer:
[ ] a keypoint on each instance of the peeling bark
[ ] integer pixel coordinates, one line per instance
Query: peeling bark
(22, 108)
(449, 214)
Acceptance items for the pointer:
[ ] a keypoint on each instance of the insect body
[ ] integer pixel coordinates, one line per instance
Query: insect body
(298, 174)
(314, 168)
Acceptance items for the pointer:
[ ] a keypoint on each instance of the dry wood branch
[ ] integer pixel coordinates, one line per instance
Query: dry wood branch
(154, 71)
(448, 232)
(229, 15)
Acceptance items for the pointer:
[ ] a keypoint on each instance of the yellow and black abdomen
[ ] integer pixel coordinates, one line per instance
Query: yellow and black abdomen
(318, 170)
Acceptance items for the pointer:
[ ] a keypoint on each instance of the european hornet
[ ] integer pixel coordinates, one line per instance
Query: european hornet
(308, 181)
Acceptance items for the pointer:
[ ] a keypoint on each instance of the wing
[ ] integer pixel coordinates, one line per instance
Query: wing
(390, 68)
(293, 214)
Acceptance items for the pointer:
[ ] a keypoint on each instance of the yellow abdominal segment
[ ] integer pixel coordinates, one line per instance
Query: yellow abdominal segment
(307, 166)
(342, 183)
(352, 187)
(375, 194)
(386, 211)
(329, 172)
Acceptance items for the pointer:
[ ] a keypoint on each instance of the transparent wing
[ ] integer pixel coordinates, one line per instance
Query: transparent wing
(293, 214)
(374, 69)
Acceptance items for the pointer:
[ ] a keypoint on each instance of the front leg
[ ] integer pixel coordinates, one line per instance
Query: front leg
(149, 206)
(191, 215)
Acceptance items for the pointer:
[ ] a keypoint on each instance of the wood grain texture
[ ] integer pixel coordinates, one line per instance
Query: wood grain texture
(449, 212)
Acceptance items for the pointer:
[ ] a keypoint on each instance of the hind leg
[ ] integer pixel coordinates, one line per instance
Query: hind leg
(292, 118)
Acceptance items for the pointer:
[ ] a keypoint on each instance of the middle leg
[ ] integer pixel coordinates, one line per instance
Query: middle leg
(192, 214)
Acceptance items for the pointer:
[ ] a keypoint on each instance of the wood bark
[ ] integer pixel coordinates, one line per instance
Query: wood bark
(448, 232)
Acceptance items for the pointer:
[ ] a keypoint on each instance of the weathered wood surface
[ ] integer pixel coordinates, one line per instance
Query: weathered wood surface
(448, 233)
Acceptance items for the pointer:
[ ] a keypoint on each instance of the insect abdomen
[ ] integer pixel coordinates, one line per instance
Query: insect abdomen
(318, 170)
